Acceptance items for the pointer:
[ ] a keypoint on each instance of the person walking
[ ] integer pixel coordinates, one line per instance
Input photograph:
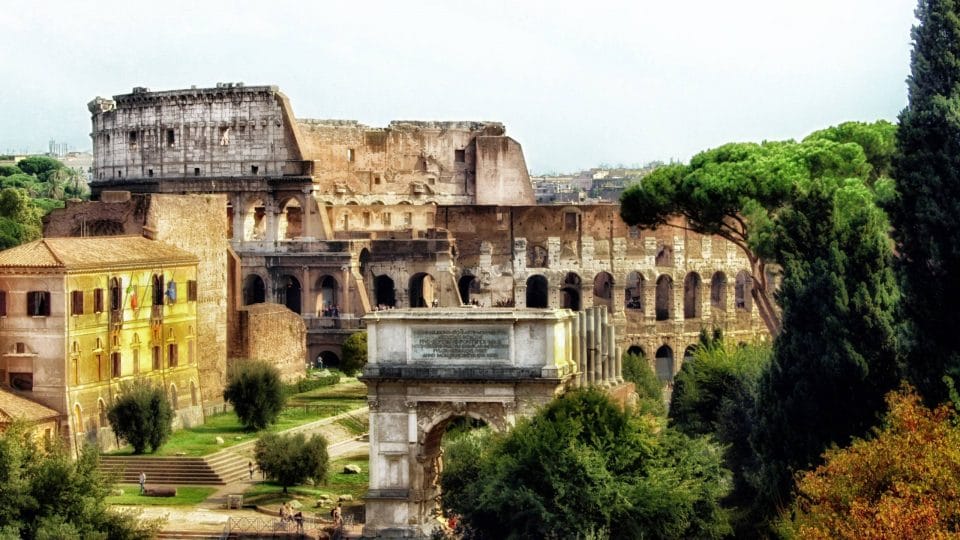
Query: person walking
(250, 468)
(143, 481)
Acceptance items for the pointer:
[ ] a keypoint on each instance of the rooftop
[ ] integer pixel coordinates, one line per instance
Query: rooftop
(93, 252)
(13, 407)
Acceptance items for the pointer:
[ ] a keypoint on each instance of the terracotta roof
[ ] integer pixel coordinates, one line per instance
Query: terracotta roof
(13, 406)
(92, 252)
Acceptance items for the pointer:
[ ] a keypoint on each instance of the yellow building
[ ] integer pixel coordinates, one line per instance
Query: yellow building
(81, 316)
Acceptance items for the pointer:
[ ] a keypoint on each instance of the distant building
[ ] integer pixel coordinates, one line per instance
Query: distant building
(83, 315)
(43, 422)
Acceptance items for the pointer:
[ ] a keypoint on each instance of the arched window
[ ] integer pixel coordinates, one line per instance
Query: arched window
(78, 419)
(637, 351)
(718, 291)
(254, 291)
(570, 292)
(291, 293)
(603, 290)
(158, 290)
(326, 298)
(537, 287)
(384, 291)
(422, 293)
(101, 413)
(664, 300)
(193, 393)
(174, 403)
(465, 286)
(116, 294)
(691, 296)
(664, 256)
(665, 363)
(744, 291)
(633, 297)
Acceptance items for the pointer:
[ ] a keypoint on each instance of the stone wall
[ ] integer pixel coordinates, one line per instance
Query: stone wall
(274, 334)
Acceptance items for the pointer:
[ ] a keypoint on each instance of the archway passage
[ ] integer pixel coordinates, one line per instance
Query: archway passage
(691, 296)
(422, 292)
(291, 293)
(636, 350)
(327, 303)
(326, 359)
(384, 291)
(290, 220)
(664, 300)
(435, 448)
(718, 291)
(537, 288)
(603, 290)
(665, 363)
(570, 292)
(633, 293)
(744, 290)
(254, 221)
(254, 291)
(464, 285)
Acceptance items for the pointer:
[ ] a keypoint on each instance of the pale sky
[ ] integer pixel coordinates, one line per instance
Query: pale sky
(576, 83)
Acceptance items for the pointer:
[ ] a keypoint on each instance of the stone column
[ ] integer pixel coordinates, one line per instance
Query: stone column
(582, 346)
(575, 352)
(598, 348)
(270, 214)
(591, 346)
(239, 215)
(306, 221)
(619, 366)
(345, 301)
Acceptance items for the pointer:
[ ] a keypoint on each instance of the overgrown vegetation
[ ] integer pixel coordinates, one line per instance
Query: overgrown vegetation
(47, 494)
(354, 351)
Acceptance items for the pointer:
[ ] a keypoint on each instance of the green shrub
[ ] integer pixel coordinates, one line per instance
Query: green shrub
(354, 353)
(290, 460)
(255, 391)
(306, 385)
(142, 416)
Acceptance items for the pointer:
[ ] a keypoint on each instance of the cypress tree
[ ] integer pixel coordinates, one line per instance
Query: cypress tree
(926, 212)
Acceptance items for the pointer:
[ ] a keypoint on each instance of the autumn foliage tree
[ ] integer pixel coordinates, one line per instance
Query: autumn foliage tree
(901, 484)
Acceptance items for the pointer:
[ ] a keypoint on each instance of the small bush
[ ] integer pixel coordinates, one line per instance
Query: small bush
(354, 353)
(255, 391)
(141, 416)
(306, 385)
(291, 460)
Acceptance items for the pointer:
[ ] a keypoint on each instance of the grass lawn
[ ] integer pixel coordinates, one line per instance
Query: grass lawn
(186, 496)
(301, 408)
(271, 495)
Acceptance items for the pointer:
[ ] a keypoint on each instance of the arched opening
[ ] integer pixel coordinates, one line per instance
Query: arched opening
(326, 359)
(254, 291)
(537, 287)
(174, 400)
(364, 260)
(603, 290)
(290, 220)
(664, 256)
(101, 414)
(193, 393)
(744, 290)
(384, 292)
(440, 445)
(254, 221)
(633, 297)
(116, 294)
(570, 292)
(665, 363)
(692, 306)
(464, 285)
(78, 419)
(637, 351)
(327, 304)
(688, 353)
(158, 290)
(230, 214)
(718, 291)
(664, 299)
(291, 293)
(422, 293)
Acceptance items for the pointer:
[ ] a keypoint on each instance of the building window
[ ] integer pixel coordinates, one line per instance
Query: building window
(570, 221)
(366, 219)
(76, 302)
(157, 290)
(172, 358)
(22, 381)
(3, 303)
(407, 218)
(351, 155)
(150, 173)
(376, 179)
(21, 347)
(171, 138)
(136, 361)
(191, 290)
(254, 170)
(156, 357)
(133, 137)
(38, 303)
(116, 295)
(386, 218)
(115, 364)
(460, 156)
(98, 300)
(196, 171)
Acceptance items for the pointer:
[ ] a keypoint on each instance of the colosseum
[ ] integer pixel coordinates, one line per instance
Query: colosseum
(335, 219)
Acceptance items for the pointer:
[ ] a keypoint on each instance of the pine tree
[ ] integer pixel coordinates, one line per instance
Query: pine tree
(926, 213)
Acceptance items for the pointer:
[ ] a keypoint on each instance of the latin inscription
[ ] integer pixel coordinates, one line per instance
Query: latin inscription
(461, 343)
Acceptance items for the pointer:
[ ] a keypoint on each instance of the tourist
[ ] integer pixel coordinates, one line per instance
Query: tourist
(143, 481)
(284, 513)
(250, 468)
(337, 514)
(298, 517)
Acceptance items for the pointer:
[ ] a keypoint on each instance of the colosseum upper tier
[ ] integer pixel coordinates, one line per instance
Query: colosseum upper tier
(335, 219)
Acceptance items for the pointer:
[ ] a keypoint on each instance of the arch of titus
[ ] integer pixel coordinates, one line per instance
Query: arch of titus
(429, 366)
